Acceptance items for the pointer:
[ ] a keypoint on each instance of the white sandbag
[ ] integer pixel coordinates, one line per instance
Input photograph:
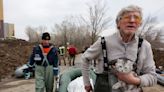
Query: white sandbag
(77, 85)
(19, 70)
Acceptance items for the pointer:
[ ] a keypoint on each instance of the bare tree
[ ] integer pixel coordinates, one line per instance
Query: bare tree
(158, 41)
(148, 24)
(64, 31)
(40, 30)
(34, 34)
(71, 31)
(152, 32)
(98, 19)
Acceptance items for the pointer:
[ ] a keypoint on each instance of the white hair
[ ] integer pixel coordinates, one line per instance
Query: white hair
(129, 8)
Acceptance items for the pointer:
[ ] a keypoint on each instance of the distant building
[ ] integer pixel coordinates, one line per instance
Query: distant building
(1, 20)
(9, 30)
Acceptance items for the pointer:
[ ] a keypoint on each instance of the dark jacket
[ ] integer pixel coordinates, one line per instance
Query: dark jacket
(51, 56)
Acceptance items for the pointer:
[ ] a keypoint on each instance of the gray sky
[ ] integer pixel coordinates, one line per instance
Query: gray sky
(48, 12)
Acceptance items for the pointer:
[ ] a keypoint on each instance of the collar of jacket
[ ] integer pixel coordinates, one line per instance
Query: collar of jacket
(134, 40)
(46, 46)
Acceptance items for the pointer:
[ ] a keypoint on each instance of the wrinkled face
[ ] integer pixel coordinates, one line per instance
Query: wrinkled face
(45, 42)
(129, 22)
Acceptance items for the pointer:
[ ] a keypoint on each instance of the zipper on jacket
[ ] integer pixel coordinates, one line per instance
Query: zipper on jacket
(125, 48)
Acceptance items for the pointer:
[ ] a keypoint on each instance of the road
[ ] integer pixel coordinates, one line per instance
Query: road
(22, 85)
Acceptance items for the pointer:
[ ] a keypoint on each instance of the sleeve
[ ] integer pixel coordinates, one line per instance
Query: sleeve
(148, 70)
(56, 61)
(31, 59)
(90, 54)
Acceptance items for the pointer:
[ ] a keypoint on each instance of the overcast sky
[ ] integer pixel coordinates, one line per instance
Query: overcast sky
(48, 12)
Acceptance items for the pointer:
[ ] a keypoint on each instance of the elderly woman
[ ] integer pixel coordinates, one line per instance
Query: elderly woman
(123, 45)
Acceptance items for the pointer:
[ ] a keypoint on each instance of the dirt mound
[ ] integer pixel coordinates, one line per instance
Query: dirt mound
(159, 58)
(13, 53)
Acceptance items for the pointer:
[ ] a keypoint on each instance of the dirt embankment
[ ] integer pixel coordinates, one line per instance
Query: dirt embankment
(159, 58)
(13, 53)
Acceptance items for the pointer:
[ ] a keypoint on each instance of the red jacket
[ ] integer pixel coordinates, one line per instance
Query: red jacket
(72, 50)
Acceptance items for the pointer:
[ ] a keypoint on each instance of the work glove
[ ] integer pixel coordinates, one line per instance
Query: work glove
(55, 71)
